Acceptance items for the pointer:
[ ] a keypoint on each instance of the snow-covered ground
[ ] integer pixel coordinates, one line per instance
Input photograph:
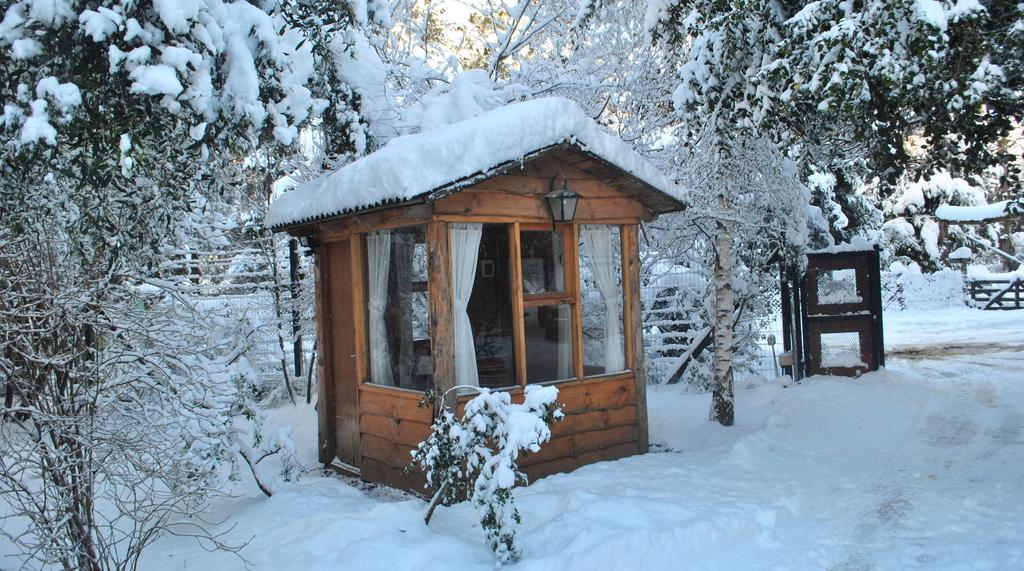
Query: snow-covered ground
(919, 466)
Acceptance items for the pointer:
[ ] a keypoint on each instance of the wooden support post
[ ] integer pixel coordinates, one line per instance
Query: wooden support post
(571, 253)
(787, 316)
(874, 268)
(635, 326)
(442, 317)
(518, 313)
(325, 386)
(799, 327)
(293, 286)
(359, 305)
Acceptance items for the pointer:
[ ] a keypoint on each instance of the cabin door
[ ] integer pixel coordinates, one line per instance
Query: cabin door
(342, 270)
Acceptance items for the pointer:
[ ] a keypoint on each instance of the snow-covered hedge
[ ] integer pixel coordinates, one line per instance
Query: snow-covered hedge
(906, 287)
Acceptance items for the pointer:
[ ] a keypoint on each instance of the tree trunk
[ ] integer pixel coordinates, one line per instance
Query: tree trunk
(722, 393)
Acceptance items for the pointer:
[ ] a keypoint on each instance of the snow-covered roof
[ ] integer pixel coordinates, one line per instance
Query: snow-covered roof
(463, 153)
(980, 213)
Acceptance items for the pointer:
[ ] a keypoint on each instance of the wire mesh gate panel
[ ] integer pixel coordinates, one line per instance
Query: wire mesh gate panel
(832, 315)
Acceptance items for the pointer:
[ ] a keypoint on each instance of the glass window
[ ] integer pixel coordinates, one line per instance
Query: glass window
(543, 261)
(398, 310)
(490, 309)
(548, 334)
(601, 299)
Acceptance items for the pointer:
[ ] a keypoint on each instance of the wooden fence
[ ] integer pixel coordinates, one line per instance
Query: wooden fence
(997, 294)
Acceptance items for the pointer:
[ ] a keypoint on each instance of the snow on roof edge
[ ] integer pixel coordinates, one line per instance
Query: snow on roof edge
(432, 194)
(856, 244)
(457, 155)
(979, 213)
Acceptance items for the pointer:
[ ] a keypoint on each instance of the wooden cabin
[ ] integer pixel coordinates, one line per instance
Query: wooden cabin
(495, 267)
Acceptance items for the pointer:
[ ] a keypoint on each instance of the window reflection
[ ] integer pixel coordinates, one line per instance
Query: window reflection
(601, 299)
(543, 261)
(548, 334)
(490, 309)
(398, 311)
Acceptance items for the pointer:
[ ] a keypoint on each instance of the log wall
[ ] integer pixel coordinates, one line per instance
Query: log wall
(391, 424)
(600, 424)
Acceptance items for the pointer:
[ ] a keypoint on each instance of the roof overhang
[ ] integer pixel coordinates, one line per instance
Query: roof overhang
(653, 199)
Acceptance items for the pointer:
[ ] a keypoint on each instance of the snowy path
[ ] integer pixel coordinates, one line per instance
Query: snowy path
(920, 466)
(917, 467)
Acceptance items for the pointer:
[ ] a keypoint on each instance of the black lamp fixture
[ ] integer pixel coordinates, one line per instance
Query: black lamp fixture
(562, 202)
(308, 243)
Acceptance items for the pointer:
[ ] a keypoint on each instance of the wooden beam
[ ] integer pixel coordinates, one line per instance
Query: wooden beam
(518, 312)
(571, 239)
(529, 207)
(635, 326)
(627, 295)
(442, 317)
(344, 382)
(344, 226)
(554, 298)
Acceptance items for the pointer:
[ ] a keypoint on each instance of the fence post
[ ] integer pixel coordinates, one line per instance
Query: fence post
(787, 318)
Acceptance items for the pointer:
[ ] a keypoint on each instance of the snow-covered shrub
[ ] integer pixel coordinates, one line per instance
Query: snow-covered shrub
(904, 286)
(475, 457)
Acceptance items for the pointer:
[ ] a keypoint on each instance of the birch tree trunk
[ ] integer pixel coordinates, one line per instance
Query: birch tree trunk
(722, 392)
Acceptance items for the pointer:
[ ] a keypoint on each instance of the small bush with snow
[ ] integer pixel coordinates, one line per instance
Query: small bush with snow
(475, 458)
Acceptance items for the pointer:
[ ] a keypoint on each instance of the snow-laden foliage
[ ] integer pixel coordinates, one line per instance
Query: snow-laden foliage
(876, 94)
(911, 230)
(475, 457)
(766, 216)
(124, 114)
(906, 287)
(123, 125)
(125, 409)
(946, 71)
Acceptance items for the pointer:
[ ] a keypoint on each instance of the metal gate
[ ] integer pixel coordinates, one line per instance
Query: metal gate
(832, 315)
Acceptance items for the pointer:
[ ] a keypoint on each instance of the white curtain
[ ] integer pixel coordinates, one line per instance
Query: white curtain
(602, 255)
(465, 244)
(565, 368)
(378, 256)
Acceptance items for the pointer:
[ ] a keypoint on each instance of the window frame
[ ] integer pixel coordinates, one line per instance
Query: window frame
(520, 299)
(363, 344)
(571, 252)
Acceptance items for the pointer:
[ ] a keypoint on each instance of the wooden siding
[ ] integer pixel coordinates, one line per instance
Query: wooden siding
(521, 195)
(391, 424)
(600, 424)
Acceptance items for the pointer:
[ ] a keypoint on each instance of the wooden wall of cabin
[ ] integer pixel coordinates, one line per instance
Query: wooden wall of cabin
(606, 417)
(337, 309)
(520, 196)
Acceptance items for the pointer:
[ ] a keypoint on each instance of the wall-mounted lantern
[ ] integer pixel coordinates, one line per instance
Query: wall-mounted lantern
(308, 243)
(562, 202)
